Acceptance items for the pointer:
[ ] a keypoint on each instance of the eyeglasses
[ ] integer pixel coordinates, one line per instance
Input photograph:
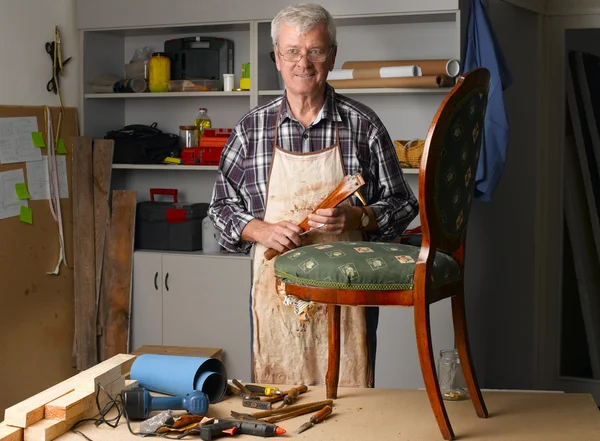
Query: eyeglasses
(314, 56)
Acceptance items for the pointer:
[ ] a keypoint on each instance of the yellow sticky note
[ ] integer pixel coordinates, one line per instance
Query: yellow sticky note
(22, 192)
(60, 148)
(26, 216)
(38, 139)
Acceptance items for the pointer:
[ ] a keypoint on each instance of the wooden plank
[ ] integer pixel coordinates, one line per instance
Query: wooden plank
(69, 406)
(115, 297)
(103, 156)
(103, 150)
(10, 433)
(84, 264)
(31, 410)
(82, 403)
(104, 373)
(130, 384)
(47, 430)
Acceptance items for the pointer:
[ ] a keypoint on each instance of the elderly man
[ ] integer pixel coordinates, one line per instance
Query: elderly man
(283, 158)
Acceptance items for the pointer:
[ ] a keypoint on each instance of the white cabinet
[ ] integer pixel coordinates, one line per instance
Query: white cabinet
(194, 300)
(147, 301)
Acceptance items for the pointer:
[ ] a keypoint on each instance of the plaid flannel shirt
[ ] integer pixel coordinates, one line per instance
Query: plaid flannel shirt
(241, 186)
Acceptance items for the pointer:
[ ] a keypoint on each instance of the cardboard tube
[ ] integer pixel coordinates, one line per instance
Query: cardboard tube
(448, 67)
(378, 72)
(431, 81)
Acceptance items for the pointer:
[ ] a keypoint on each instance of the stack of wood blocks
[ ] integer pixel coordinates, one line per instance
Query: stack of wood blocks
(52, 412)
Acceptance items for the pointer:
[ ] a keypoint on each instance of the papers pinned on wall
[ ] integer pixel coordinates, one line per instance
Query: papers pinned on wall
(16, 142)
(37, 178)
(10, 205)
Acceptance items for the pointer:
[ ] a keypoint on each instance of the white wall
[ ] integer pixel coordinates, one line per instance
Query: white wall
(25, 26)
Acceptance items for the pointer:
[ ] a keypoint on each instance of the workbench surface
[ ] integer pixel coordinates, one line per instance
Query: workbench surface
(394, 414)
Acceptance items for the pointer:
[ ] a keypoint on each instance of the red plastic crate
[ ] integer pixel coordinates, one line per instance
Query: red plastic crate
(210, 155)
(221, 132)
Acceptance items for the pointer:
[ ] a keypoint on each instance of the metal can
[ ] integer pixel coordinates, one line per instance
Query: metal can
(159, 72)
(188, 136)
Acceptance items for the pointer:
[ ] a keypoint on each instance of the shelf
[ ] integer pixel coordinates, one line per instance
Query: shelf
(387, 91)
(164, 95)
(163, 167)
(410, 171)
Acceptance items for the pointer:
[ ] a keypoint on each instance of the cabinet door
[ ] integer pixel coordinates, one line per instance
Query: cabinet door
(206, 304)
(146, 308)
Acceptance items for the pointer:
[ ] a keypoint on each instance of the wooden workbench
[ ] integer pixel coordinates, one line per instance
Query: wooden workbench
(392, 414)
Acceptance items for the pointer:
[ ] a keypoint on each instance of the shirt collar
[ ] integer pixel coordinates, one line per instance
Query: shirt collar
(329, 110)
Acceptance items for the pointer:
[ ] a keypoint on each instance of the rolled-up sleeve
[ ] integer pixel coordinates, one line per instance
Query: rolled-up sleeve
(391, 198)
(227, 209)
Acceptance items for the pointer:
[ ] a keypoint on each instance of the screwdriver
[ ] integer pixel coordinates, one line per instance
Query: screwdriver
(263, 390)
(292, 394)
(316, 418)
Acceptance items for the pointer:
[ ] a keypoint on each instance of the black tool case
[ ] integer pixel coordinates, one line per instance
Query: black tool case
(172, 226)
(200, 57)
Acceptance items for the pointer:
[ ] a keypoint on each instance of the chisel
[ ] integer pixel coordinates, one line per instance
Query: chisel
(316, 418)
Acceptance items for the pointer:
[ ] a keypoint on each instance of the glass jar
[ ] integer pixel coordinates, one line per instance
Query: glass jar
(159, 72)
(450, 376)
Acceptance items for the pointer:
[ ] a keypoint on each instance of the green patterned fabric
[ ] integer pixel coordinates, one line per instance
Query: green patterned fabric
(457, 163)
(360, 266)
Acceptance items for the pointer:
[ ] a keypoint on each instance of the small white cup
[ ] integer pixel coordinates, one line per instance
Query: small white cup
(228, 82)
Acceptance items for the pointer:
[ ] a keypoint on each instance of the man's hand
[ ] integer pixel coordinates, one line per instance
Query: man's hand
(337, 220)
(282, 236)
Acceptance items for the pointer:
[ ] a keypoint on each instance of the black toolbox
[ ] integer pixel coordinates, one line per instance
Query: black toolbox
(172, 226)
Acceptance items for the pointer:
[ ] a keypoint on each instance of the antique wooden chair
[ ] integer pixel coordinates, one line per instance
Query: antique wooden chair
(393, 274)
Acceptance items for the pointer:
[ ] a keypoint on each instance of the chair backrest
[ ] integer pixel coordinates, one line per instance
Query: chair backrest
(449, 162)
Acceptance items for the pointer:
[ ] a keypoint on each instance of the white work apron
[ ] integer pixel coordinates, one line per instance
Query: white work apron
(286, 347)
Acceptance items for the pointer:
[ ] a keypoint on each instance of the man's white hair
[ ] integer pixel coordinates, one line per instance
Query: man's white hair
(304, 17)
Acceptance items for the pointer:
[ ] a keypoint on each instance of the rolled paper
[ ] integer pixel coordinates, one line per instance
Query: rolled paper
(179, 375)
(424, 82)
(382, 72)
(448, 67)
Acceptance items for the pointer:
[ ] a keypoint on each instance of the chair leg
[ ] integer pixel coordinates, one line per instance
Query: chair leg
(333, 362)
(425, 348)
(461, 338)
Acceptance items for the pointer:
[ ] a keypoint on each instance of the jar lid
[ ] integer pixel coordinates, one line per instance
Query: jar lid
(188, 128)
(159, 54)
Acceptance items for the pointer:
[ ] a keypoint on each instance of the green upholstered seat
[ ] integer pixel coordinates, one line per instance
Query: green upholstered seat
(360, 266)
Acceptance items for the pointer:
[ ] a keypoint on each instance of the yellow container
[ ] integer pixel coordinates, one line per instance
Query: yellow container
(159, 72)
(245, 83)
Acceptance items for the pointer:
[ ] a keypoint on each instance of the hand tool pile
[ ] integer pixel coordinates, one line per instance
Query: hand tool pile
(264, 398)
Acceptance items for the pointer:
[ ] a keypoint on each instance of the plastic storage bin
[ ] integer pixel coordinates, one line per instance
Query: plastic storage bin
(198, 85)
(171, 226)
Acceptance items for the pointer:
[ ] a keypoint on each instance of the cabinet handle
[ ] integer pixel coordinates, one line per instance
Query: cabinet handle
(167, 281)
(156, 280)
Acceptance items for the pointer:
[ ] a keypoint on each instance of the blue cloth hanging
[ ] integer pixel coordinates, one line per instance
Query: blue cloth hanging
(482, 50)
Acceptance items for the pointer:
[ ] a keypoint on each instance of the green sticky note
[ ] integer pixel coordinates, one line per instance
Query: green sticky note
(38, 139)
(26, 215)
(60, 148)
(22, 192)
